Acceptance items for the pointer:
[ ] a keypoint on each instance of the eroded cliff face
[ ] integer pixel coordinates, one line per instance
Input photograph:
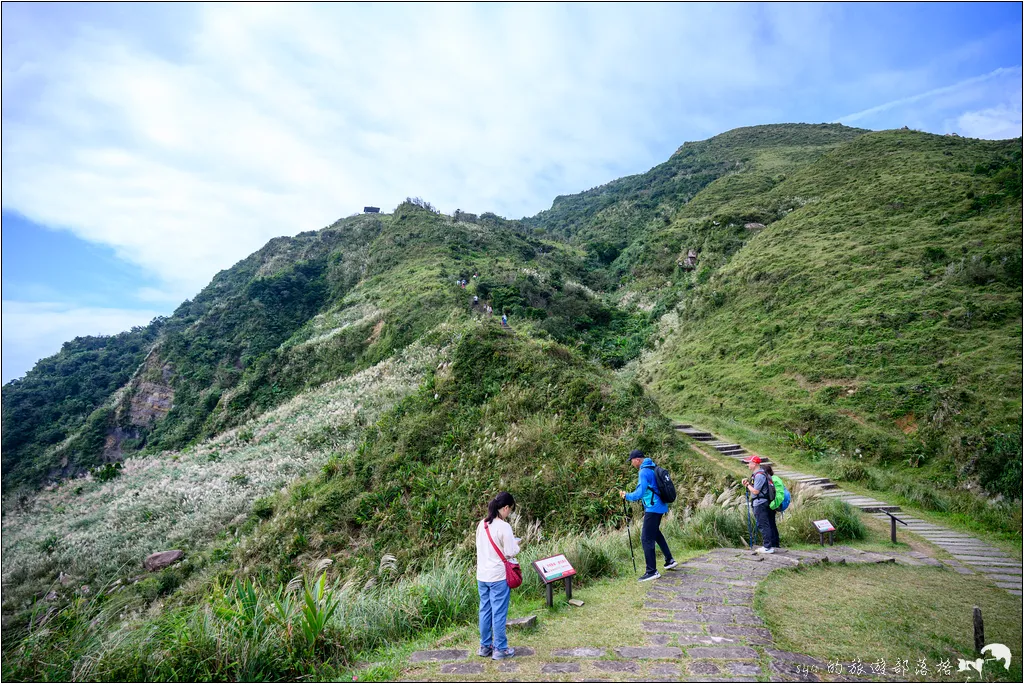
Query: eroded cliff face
(148, 400)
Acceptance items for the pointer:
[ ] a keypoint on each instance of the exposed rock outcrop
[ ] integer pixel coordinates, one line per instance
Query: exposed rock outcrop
(162, 559)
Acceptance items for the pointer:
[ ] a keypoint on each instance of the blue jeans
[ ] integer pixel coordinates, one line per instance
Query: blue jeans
(494, 598)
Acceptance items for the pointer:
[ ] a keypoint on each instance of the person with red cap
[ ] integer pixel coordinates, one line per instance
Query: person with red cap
(757, 485)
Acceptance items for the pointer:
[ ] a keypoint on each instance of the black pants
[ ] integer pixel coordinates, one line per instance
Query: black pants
(765, 518)
(650, 536)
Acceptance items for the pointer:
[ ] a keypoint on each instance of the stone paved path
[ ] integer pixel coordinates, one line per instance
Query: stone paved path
(699, 625)
(970, 554)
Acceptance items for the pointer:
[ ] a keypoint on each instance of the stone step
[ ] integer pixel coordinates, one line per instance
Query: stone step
(997, 570)
(988, 560)
(1005, 584)
(682, 426)
(959, 544)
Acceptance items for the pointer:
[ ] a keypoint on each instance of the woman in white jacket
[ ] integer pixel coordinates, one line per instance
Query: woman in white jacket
(490, 576)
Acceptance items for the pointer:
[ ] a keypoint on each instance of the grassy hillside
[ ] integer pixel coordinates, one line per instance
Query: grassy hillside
(298, 313)
(880, 315)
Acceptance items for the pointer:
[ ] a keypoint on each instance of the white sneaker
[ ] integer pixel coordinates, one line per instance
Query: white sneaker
(764, 550)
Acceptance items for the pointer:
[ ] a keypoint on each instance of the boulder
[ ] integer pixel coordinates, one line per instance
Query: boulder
(161, 559)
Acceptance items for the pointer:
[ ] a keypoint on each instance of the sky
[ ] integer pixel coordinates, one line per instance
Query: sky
(147, 147)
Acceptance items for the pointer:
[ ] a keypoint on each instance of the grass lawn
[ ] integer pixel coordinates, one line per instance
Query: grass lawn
(892, 612)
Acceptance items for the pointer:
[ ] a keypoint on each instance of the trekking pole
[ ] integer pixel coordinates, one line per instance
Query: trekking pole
(750, 525)
(629, 534)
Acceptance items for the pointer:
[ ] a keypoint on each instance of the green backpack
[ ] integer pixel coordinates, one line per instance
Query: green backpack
(782, 497)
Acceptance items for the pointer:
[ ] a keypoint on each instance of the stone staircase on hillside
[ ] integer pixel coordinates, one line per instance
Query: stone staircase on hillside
(970, 554)
(828, 487)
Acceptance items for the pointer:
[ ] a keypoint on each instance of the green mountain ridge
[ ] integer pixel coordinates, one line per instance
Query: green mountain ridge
(857, 291)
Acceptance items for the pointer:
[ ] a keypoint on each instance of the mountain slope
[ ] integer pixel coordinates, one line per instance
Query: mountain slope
(881, 313)
(300, 312)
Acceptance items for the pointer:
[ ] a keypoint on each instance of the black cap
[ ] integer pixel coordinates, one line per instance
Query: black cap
(635, 453)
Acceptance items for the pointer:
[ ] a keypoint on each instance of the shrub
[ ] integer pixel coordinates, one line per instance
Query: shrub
(712, 527)
(795, 525)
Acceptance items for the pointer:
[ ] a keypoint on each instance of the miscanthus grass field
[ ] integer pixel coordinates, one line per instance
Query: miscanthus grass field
(90, 529)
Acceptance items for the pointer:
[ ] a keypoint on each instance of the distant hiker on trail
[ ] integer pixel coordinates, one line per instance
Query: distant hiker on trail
(504, 321)
(757, 485)
(492, 534)
(489, 310)
(654, 508)
(476, 300)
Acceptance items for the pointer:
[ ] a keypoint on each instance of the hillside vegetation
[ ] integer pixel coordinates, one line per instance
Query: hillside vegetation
(338, 394)
(879, 318)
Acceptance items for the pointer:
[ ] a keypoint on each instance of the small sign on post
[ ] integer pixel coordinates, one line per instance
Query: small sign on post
(824, 526)
(553, 569)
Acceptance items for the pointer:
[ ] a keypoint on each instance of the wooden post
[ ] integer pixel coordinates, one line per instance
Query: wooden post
(551, 598)
(979, 630)
(568, 587)
(892, 519)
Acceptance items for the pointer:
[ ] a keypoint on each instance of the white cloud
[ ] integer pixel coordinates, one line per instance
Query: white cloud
(983, 106)
(280, 118)
(994, 123)
(942, 94)
(35, 330)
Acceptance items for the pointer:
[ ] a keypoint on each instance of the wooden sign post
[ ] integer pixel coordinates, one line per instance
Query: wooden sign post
(551, 570)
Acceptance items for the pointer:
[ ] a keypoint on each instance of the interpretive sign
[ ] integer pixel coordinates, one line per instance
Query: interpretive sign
(553, 568)
(823, 527)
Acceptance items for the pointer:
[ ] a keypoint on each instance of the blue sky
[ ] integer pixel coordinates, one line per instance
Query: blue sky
(147, 147)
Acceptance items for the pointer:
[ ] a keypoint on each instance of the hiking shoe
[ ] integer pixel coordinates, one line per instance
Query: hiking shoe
(501, 655)
(764, 550)
(649, 576)
(485, 651)
(671, 564)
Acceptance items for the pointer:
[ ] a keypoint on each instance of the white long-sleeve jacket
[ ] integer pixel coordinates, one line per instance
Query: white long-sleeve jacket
(489, 567)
